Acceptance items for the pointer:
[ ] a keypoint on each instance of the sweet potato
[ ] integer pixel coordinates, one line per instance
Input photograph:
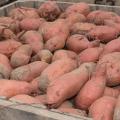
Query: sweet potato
(78, 43)
(99, 16)
(41, 98)
(21, 56)
(73, 111)
(6, 33)
(81, 28)
(73, 18)
(10, 23)
(55, 43)
(10, 88)
(43, 55)
(90, 55)
(112, 46)
(103, 33)
(98, 110)
(60, 54)
(9, 46)
(66, 104)
(116, 115)
(111, 92)
(50, 30)
(55, 70)
(31, 23)
(81, 7)
(20, 13)
(112, 63)
(28, 72)
(57, 94)
(22, 98)
(49, 10)
(92, 90)
(5, 67)
(33, 38)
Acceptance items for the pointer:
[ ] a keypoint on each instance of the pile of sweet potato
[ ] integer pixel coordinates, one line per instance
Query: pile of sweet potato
(67, 60)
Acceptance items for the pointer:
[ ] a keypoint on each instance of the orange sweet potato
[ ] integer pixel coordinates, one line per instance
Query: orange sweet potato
(81, 28)
(116, 115)
(43, 55)
(5, 67)
(55, 70)
(23, 98)
(78, 43)
(60, 54)
(28, 72)
(111, 92)
(111, 61)
(81, 7)
(10, 88)
(9, 46)
(92, 90)
(99, 16)
(49, 10)
(56, 29)
(20, 13)
(33, 38)
(31, 23)
(112, 46)
(21, 56)
(90, 55)
(103, 33)
(57, 94)
(98, 110)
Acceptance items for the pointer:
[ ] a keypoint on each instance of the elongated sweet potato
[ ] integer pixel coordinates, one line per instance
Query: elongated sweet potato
(41, 98)
(33, 38)
(112, 46)
(60, 54)
(99, 16)
(28, 72)
(5, 67)
(81, 7)
(78, 43)
(92, 90)
(21, 56)
(112, 62)
(31, 23)
(10, 88)
(57, 94)
(50, 30)
(20, 13)
(49, 10)
(43, 55)
(111, 92)
(81, 28)
(116, 115)
(103, 108)
(23, 98)
(103, 33)
(9, 46)
(73, 111)
(90, 55)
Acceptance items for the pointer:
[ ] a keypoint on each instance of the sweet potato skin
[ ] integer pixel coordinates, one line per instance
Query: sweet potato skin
(98, 109)
(21, 56)
(10, 88)
(28, 72)
(111, 92)
(77, 78)
(55, 70)
(49, 10)
(60, 54)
